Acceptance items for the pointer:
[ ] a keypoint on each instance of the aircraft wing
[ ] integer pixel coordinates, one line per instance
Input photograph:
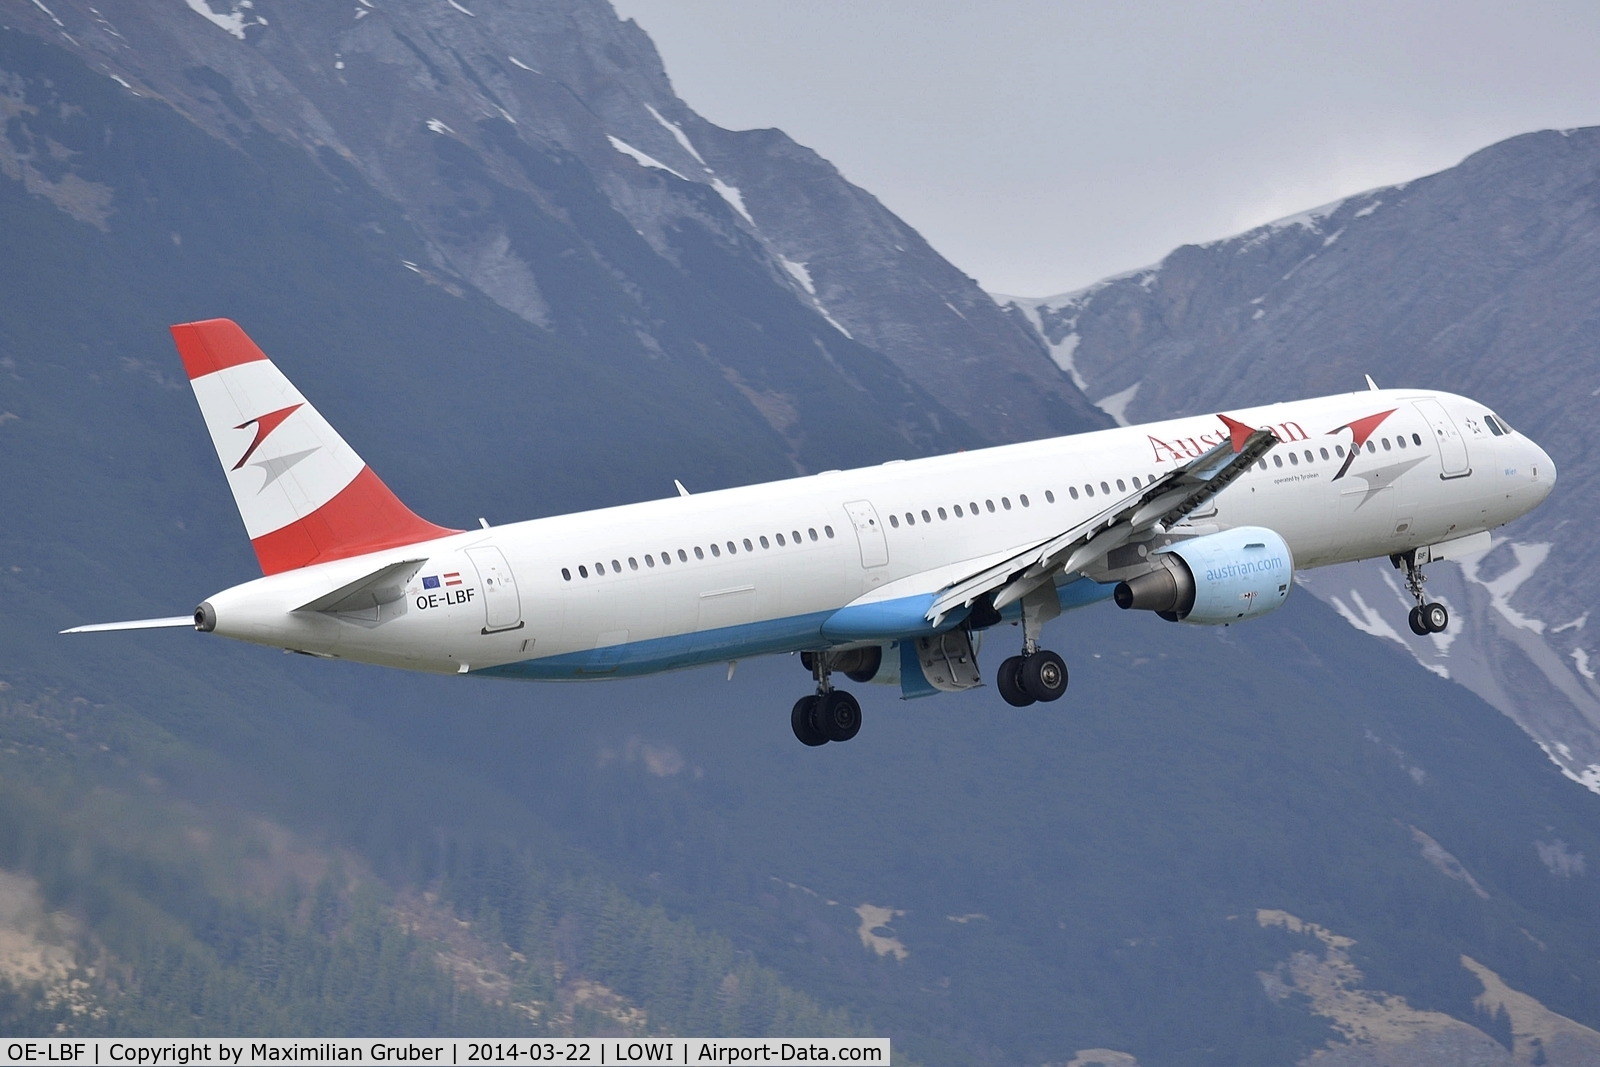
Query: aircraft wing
(1164, 501)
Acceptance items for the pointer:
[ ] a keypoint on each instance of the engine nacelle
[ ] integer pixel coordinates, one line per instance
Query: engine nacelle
(1215, 579)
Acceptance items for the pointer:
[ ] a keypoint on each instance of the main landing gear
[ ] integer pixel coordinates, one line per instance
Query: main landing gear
(1426, 618)
(832, 714)
(1038, 674)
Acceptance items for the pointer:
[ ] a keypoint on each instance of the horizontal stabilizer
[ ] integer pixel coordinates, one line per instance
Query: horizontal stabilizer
(382, 586)
(135, 624)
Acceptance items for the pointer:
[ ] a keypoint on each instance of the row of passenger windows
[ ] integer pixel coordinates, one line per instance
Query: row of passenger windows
(972, 508)
(1372, 446)
(699, 553)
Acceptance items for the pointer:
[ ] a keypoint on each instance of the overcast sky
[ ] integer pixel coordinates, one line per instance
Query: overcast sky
(1043, 145)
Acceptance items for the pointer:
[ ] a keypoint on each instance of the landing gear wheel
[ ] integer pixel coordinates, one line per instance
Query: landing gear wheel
(1418, 625)
(1435, 618)
(1043, 676)
(801, 720)
(838, 715)
(1010, 686)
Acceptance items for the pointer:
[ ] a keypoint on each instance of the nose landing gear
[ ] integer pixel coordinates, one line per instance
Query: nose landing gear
(1426, 618)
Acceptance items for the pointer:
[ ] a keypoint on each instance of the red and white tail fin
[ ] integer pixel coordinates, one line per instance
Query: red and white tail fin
(305, 496)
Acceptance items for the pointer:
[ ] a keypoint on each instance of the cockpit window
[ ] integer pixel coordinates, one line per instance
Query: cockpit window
(1494, 427)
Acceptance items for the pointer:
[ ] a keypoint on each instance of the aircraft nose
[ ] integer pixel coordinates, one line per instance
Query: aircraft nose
(1543, 468)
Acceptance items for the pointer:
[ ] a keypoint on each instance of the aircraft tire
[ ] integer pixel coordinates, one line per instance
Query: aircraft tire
(801, 720)
(1436, 617)
(1418, 625)
(840, 713)
(1010, 685)
(1043, 676)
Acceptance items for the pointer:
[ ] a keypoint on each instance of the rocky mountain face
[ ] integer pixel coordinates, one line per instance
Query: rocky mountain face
(1482, 280)
(541, 155)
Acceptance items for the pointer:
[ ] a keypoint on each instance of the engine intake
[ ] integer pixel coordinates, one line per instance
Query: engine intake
(1215, 579)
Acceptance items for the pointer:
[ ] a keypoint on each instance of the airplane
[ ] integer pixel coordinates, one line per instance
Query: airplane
(888, 574)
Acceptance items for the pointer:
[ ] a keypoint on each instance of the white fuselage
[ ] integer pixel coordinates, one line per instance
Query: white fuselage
(754, 570)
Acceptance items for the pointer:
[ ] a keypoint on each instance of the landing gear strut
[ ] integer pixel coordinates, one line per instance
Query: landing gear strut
(1038, 674)
(1426, 618)
(832, 714)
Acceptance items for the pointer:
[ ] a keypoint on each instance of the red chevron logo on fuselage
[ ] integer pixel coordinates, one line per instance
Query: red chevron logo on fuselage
(264, 424)
(1360, 430)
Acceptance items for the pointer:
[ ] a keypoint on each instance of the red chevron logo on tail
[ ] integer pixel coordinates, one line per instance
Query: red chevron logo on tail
(264, 425)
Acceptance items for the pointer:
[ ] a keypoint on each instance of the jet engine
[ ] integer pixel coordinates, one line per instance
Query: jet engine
(1215, 579)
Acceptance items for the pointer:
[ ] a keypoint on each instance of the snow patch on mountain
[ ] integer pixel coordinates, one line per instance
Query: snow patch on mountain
(641, 158)
(1116, 405)
(800, 273)
(732, 195)
(681, 137)
(235, 21)
(1501, 589)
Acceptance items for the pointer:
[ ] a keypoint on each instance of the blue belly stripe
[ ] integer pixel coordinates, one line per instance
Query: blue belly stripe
(793, 634)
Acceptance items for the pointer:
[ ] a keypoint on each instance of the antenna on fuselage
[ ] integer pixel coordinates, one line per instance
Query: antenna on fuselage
(681, 490)
(1370, 383)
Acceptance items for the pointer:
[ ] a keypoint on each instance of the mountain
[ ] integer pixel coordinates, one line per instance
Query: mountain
(1483, 279)
(1252, 845)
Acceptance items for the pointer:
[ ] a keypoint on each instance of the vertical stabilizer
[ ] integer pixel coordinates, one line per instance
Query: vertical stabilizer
(303, 493)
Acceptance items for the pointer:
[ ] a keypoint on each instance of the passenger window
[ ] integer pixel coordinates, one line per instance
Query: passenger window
(1416, 439)
(1261, 463)
(715, 551)
(698, 554)
(958, 511)
(1372, 446)
(1023, 499)
(600, 568)
(765, 543)
(973, 507)
(828, 530)
(1136, 481)
(1338, 450)
(1324, 452)
(942, 515)
(583, 572)
(733, 549)
(666, 558)
(616, 568)
(1049, 496)
(990, 505)
(911, 520)
(1104, 488)
(1005, 502)
(1386, 447)
(780, 540)
(633, 564)
(1089, 489)
(1072, 491)
(1277, 461)
(794, 535)
(1122, 486)
(894, 520)
(1401, 440)
(1294, 460)
(566, 575)
(684, 558)
(812, 530)
(649, 560)
(748, 547)
(925, 516)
